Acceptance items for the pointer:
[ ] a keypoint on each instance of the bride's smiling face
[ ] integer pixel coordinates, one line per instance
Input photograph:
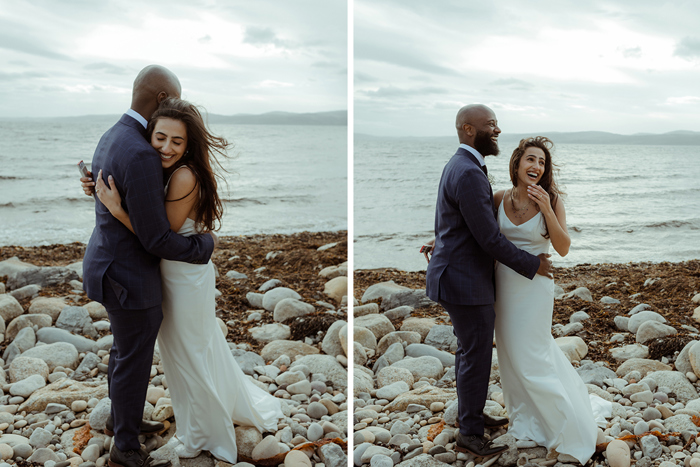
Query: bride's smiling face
(169, 138)
(532, 165)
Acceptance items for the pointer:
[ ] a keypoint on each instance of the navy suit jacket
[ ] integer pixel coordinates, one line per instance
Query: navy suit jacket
(131, 263)
(467, 238)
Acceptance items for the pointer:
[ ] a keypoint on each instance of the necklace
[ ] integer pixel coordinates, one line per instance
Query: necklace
(525, 208)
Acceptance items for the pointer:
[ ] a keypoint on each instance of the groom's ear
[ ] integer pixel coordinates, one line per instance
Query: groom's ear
(161, 96)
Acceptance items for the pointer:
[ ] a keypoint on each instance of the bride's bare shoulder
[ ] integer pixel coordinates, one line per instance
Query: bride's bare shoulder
(498, 197)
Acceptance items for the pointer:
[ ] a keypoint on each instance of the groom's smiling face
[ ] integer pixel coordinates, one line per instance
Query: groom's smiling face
(486, 142)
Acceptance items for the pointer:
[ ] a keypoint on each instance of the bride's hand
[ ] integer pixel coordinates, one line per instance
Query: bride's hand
(540, 196)
(109, 195)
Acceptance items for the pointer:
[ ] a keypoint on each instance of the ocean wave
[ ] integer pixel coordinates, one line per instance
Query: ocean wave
(10, 177)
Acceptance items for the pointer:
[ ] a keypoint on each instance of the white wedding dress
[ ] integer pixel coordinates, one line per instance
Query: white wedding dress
(208, 389)
(546, 400)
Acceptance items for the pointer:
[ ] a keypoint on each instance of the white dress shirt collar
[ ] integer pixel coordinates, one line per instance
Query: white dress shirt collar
(476, 153)
(138, 117)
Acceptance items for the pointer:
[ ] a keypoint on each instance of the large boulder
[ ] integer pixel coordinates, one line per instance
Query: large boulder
(291, 308)
(423, 350)
(52, 335)
(442, 337)
(77, 320)
(23, 367)
(64, 391)
(45, 277)
(27, 321)
(678, 383)
(420, 325)
(270, 332)
(430, 367)
(14, 265)
(650, 330)
(573, 347)
(409, 337)
(51, 306)
(9, 308)
(274, 296)
(413, 298)
(58, 354)
(382, 290)
(642, 365)
(331, 344)
(336, 288)
(380, 325)
(643, 316)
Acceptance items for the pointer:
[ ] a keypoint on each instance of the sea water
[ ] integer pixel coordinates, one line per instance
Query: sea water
(623, 203)
(281, 179)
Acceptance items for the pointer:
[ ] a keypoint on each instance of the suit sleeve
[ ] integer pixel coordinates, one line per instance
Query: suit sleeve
(145, 202)
(473, 197)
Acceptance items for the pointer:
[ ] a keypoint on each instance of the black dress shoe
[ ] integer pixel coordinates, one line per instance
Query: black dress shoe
(494, 422)
(146, 428)
(133, 458)
(477, 445)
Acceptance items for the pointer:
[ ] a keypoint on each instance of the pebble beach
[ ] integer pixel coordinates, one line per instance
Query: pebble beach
(281, 303)
(630, 330)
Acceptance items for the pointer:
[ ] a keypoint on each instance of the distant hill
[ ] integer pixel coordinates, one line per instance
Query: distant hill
(673, 138)
(336, 117)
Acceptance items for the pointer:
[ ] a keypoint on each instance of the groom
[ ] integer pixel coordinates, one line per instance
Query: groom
(460, 273)
(122, 270)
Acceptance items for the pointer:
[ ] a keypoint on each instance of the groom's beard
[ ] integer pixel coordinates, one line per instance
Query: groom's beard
(484, 144)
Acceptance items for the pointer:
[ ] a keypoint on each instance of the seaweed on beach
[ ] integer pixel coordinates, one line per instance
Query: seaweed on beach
(666, 347)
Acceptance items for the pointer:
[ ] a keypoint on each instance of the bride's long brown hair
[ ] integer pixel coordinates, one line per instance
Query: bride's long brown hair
(200, 156)
(548, 180)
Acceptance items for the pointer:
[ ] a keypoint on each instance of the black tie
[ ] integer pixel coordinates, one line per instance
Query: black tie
(486, 171)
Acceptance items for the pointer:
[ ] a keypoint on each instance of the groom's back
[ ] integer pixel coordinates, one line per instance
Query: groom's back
(113, 250)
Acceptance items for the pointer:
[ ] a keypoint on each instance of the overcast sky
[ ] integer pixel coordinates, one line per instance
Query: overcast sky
(79, 57)
(542, 65)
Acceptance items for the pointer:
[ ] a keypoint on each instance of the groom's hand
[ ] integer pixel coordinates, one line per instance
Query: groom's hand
(428, 251)
(88, 184)
(545, 268)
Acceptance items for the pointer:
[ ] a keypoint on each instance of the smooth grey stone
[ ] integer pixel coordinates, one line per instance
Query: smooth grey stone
(89, 362)
(52, 335)
(28, 291)
(442, 337)
(413, 298)
(422, 350)
(247, 360)
(77, 320)
(43, 276)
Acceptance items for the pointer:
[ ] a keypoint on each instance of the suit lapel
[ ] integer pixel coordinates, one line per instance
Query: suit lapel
(470, 156)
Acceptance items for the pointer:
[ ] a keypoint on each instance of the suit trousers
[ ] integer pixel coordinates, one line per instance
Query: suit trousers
(473, 325)
(130, 360)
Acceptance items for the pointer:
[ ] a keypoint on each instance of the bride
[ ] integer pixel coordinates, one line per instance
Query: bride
(209, 391)
(546, 400)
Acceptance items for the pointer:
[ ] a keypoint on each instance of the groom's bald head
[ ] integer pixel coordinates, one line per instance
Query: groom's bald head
(152, 86)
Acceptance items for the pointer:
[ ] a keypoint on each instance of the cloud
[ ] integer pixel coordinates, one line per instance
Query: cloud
(688, 48)
(21, 76)
(23, 44)
(683, 100)
(205, 39)
(271, 83)
(394, 92)
(513, 83)
(633, 52)
(256, 35)
(108, 68)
